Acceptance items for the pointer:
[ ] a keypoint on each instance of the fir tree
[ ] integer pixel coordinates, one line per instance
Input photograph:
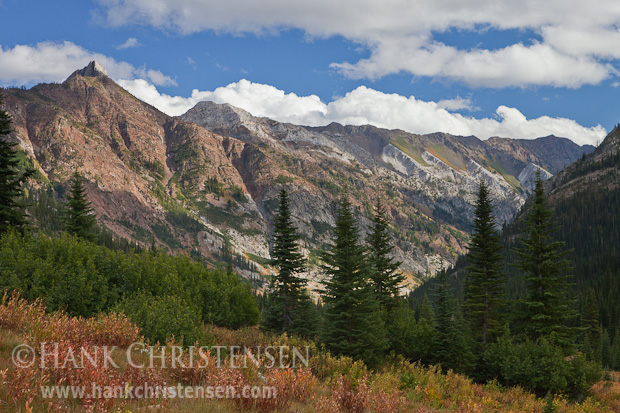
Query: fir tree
(12, 214)
(80, 216)
(548, 310)
(384, 269)
(353, 325)
(485, 283)
(289, 307)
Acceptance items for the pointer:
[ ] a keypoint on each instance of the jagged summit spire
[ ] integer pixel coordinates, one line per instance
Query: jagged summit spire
(93, 69)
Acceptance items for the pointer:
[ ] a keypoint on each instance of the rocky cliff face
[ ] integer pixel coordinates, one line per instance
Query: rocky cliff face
(439, 171)
(208, 180)
(529, 174)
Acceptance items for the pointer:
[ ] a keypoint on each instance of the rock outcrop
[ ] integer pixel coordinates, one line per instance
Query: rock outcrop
(528, 176)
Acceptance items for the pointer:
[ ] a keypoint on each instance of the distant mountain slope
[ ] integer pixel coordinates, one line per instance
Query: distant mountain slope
(585, 197)
(213, 191)
(440, 170)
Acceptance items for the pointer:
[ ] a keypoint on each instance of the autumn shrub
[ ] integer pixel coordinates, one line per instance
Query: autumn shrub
(69, 352)
(325, 366)
(17, 314)
(360, 397)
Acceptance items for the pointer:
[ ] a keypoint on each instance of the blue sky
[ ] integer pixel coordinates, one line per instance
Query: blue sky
(481, 67)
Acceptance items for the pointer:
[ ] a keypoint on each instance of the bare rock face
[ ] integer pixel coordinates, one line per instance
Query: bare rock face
(528, 176)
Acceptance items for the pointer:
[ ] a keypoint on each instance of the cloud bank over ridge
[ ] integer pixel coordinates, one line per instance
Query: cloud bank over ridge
(364, 105)
(48, 61)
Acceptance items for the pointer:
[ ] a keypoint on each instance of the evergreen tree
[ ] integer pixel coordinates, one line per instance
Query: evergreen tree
(353, 326)
(289, 307)
(80, 217)
(12, 213)
(401, 328)
(426, 332)
(485, 283)
(384, 269)
(605, 350)
(548, 310)
(614, 356)
(591, 343)
(453, 349)
(153, 247)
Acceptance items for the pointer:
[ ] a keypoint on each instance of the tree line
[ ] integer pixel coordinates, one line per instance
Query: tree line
(534, 342)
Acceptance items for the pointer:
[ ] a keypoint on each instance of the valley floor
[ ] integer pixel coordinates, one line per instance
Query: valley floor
(327, 383)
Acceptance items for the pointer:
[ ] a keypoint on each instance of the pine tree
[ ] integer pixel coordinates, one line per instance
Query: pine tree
(485, 283)
(12, 213)
(548, 310)
(80, 217)
(384, 269)
(289, 307)
(353, 326)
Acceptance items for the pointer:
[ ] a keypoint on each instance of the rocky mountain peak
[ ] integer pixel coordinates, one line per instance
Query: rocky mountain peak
(93, 69)
(217, 115)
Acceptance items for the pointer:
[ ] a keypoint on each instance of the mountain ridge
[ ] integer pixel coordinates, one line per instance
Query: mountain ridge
(149, 173)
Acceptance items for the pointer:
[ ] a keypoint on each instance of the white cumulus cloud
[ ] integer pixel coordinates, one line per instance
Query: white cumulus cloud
(54, 62)
(129, 43)
(367, 106)
(570, 45)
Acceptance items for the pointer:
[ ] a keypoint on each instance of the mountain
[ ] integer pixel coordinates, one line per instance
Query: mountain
(207, 182)
(585, 197)
(436, 166)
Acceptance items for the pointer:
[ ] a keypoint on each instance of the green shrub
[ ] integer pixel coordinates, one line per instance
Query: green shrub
(541, 367)
(84, 278)
(161, 318)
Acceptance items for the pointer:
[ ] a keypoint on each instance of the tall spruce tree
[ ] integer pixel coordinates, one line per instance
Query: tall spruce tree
(485, 283)
(548, 309)
(384, 273)
(353, 325)
(288, 307)
(12, 214)
(80, 216)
